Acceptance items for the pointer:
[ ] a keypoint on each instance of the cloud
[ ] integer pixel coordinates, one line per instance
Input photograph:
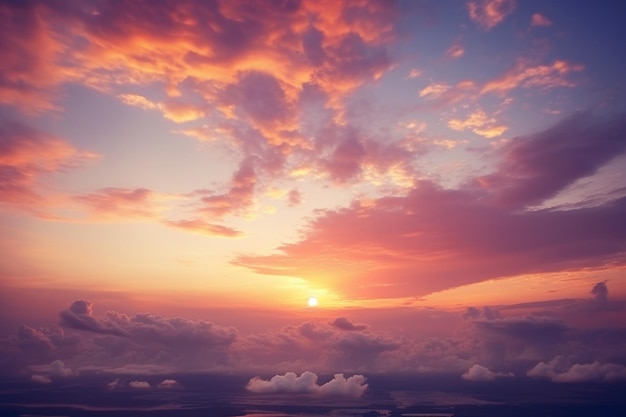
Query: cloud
(535, 168)
(180, 112)
(455, 51)
(557, 370)
(119, 203)
(480, 373)
(45, 373)
(434, 90)
(79, 316)
(137, 101)
(27, 158)
(200, 226)
(139, 384)
(168, 384)
(306, 383)
(479, 123)
(116, 383)
(238, 198)
(600, 292)
(540, 20)
(41, 379)
(345, 324)
(437, 228)
(490, 13)
(527, 75)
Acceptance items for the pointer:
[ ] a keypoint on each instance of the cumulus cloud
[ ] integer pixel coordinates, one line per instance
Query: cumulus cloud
(78, 316)
(559, 370)
(600, 292)
(306, 383)
(481, 373)
(139, 384)
(168, 383)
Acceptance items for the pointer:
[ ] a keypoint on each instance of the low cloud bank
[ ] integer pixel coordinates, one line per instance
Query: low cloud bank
(306, 383)
(558, 370)
(480, 373)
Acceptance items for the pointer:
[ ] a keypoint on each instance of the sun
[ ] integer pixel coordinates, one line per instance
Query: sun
(312, 302)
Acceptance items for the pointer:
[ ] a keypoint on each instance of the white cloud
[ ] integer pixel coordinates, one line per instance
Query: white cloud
(480, 373)
(169, 383)
(139, 384)
(306, 383)
(557, 370)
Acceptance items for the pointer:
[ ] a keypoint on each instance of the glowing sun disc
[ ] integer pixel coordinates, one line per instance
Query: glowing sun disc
(312, 302)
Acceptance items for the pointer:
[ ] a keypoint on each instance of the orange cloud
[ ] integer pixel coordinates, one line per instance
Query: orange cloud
(434, 90)
(528, 76)
(180, 112)
(479, 123)
(200, 226)
(120, 203)
(490, 13)
(27, 157)
(137, 101)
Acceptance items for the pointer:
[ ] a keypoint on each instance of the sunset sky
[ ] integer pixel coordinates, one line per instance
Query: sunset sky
(446, 178)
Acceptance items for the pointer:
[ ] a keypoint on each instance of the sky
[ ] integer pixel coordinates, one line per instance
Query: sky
(446, 179)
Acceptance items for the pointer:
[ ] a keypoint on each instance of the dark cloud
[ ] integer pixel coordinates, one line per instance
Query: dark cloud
(537, 167)
(561, 369)
(600, 292)
(345, 324)
(78, 316)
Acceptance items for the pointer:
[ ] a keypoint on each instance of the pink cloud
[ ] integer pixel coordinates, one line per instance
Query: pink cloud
(455, 51)
(481, 374)
(27, 158)
(479, 123)
(433, 238)
(139, 384)
(306, 383)
(490, 13)
(200, 226)
(238, 198)
(540, 20)
(120, 203)
(526, 75)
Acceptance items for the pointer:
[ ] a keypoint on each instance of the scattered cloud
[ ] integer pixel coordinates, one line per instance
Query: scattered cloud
(540, 20)
(479, 123)
(139, 384)
(481, 374)
(414, 73)
(490, 13)
(27, 158)
(558, 370)
(434, 90)
(168, 384)
(527, 75)
(306, 383)
(455, 51)
(200, 226)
